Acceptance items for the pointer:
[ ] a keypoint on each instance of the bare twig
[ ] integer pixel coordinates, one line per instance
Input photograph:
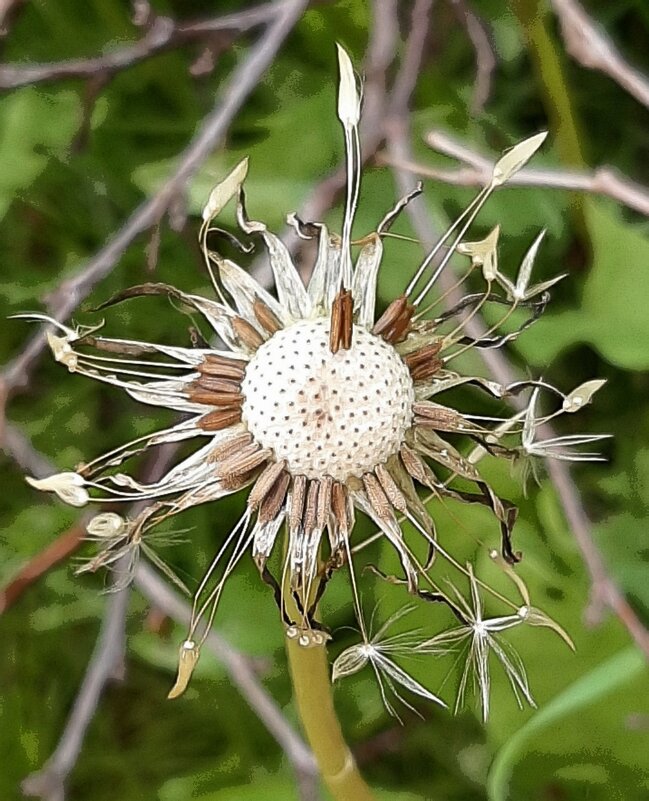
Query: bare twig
(241, 674)
(49, 782)
(55, 553)
(591, 47)
(163, 34)
(602, 181)
(19, 448)
(243, 80)
(605, 589)
(485, 58)
(9, 9)
(105, 664)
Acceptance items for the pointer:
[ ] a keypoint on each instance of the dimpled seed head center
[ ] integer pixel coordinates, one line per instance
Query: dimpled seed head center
(327, 414)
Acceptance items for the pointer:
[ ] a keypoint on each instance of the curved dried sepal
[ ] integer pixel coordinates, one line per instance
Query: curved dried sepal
(483, 253)
(222, 193)
(187, 659)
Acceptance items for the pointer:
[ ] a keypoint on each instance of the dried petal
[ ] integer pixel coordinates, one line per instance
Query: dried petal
(70, 487)
(582, 395)
(349, 102)
(225, 191)
(517, 157)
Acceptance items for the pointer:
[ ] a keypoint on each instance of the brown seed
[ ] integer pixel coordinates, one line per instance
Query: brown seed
(234, 483)
(423, 355)
(219, 419)
(400, 329)
(232, 444)
(421, 372)
(247, 333)
(377, 498)
(230, 401)
(243, 461)
(297, 502)
(265, 483)
(394, 323)
(413, 464)
(266, 317)
(439, 418)
(389, 486)
(339, 507)
(342, 321)
(309, 518)
(324, 502)
(274, 499)
(222, 367)
(212, 384)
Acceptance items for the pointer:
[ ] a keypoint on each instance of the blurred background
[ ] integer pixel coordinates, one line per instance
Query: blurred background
(106, 111)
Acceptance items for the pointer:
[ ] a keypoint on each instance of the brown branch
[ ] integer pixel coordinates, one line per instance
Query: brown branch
(19, 448)
(55, 553)
(588, 44)
(604, 588)
(603, 181)
(163, 34)
(243, 80)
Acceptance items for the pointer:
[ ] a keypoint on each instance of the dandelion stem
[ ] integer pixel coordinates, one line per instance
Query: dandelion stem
(312, 688)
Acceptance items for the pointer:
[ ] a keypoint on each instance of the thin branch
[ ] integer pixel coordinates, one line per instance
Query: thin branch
(605, 589)
(591, 47)
(241, 674)
(163, 34)
(19, 448)
(9, 10)
(485, 57)
(603, 181)
(105, 664)
(243, 80)
(44, 561)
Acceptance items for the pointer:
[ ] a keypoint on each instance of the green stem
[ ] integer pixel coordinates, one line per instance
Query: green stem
(550, 69)
(549, 64)
(312, 688)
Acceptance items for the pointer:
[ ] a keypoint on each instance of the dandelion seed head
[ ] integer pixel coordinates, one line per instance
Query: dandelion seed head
(322, 406)
(327, 414)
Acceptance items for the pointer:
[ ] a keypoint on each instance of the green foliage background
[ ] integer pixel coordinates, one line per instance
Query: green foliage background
(64, 189)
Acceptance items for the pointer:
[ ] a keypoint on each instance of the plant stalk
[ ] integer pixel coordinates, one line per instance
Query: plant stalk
(312, 688)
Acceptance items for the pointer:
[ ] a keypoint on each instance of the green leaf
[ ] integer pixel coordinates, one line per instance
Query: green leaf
(612, 315)
(34, 126)
(602, 680)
